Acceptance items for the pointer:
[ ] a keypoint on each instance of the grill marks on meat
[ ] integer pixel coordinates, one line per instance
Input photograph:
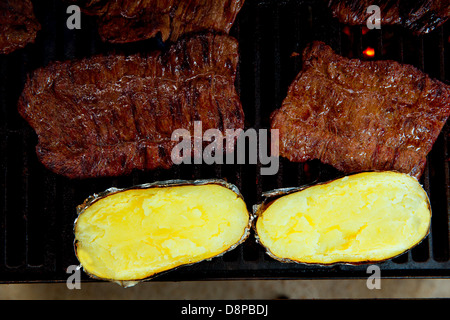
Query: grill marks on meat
(18, 25)
(125, 21)
(421, 16)
(108, 115)
(361, 115)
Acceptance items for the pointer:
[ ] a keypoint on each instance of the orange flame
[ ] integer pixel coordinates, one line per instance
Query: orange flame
(369, 52)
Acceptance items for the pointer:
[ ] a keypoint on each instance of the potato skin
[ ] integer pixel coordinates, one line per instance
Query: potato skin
(273, 196)
(92, 200)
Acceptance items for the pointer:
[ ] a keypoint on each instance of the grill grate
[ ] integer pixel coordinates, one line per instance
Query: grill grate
(38, 207)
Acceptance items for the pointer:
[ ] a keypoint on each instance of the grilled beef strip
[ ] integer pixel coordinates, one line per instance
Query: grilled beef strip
(124, 21)
(361, 115)
(109, 115)
(18, 25)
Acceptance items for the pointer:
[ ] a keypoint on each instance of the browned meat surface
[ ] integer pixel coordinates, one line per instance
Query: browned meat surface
(421, 16)
(108, 115)
(18, 25)
(361, 115)
(124, 21)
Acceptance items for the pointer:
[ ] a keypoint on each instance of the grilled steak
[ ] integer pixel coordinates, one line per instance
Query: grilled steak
(108, 115)
(124, 21)
(361, 115)
(18, 25)
(418, 15)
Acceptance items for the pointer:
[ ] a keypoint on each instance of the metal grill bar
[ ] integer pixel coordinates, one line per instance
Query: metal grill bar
(38, 208)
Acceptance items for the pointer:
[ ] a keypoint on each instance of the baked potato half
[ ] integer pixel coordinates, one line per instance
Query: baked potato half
(362, 218)
(134, 234)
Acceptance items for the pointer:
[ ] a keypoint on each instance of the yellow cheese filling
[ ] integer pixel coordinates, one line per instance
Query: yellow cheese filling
(137, 233)
(363, 217)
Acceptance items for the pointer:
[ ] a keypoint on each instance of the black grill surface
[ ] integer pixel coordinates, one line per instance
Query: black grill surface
(38, 207)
